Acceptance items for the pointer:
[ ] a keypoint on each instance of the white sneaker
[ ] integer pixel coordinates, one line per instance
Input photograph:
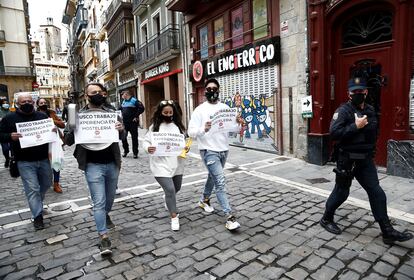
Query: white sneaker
(165, 203)
(175, 223)
(118, 192)
(206, 205)
(231, 223)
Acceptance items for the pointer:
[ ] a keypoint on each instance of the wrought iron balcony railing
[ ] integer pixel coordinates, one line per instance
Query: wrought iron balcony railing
(103, 68)
(113, 7)
(16, 71)
(167, 40)
(80, 21)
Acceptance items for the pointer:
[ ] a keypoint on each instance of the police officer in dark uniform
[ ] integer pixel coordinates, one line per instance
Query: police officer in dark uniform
(354, 127)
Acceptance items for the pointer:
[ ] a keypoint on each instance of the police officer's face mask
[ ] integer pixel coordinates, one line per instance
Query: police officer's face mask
(357, 98)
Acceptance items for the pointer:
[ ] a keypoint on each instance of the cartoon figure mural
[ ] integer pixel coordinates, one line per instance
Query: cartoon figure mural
(255, 113)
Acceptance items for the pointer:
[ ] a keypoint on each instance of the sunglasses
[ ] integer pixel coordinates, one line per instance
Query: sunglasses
(211, 89)
(166, 102)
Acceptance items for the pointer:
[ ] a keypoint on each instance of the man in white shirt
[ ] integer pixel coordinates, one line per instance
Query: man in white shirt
(214, 148)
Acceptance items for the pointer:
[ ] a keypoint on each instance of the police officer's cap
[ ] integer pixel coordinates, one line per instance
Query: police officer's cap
(356, 83)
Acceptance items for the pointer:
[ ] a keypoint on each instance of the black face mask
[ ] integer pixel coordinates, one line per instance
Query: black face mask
(97, 99)
(212, 96)
(43, 107)
(27, 108)
(167, 119)
(357, 98)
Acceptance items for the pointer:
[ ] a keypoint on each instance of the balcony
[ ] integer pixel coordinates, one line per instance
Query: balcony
(103, 67)
(138, 5)
(2, 37)
(80, 22)
(125, 57)
(159, 47)
(17, 71)
(115, 6)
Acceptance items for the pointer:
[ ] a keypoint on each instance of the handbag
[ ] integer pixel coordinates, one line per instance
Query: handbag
(14, 171)
(56, 154)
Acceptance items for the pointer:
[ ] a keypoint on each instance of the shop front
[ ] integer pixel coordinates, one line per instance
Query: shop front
(248, 78)
(127, 80)
(162, 82)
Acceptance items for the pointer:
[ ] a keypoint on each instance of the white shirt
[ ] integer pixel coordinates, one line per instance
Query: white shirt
(164, 166)
(218, 141)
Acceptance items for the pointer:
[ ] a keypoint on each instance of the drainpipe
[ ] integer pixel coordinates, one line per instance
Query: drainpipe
(184, 61)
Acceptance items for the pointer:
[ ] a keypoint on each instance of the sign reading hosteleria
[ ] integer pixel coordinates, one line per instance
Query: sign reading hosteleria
(258, 54)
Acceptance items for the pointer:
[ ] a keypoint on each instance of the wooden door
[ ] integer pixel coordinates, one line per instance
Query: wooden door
(374, 65)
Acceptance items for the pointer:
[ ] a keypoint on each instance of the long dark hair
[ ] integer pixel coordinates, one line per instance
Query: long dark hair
(47, 103)
(157, 119)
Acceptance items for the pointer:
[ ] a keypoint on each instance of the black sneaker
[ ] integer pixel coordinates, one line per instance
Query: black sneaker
(136, 156)
(38, 222)
(125, 154)
(392, 235)
(109, 223)
(330, 226)
(7, 163)
(105, 246)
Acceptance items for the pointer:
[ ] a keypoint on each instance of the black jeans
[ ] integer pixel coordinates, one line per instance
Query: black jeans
(365, 172)
(133, 129)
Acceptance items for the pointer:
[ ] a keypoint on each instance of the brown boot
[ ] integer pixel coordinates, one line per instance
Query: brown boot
(57, 188)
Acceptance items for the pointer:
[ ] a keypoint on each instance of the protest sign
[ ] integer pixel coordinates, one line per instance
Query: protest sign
(96, 127)
(167, 144)
(224, 120)
(36, 133)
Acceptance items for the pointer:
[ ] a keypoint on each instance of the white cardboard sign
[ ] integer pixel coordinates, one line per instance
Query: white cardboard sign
(167, 144)
(96, 127)
(224, 120)
(36, 133)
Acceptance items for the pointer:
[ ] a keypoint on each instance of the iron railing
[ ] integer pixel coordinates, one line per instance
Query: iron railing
(80, 21)
(102, 68)
(16, 71)
(167, 40)
(113, 7)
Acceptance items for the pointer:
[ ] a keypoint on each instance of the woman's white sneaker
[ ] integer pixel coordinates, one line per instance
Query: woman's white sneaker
(175, 223)
(231, 223)
(205, 204)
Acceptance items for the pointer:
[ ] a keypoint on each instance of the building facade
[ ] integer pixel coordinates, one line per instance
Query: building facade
(16, 60)
(373, 40)
(158, 57)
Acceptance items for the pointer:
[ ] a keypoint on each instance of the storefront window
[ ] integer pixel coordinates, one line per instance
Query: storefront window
(204, 42)
(237, 27)
(219, 35)
(368, 28)
(259, 19)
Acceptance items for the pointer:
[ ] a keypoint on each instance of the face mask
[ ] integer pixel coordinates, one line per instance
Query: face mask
(5, 106)
(97, 99)
(212, 96)
(27, 108)
(43, 107)
(167, 119)
(357, 98)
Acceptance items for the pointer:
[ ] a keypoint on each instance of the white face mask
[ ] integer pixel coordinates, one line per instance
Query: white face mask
(5, 106)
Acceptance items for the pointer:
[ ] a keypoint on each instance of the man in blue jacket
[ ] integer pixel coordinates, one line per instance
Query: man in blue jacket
(131, 109)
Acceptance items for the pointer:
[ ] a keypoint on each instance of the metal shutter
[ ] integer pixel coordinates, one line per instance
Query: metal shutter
(412, 105)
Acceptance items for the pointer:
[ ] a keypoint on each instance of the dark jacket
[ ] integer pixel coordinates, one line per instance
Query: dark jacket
(80, 152)
(131, 109)
(349, 138)
(8, 125)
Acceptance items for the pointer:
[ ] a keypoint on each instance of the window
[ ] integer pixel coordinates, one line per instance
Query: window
(259, 19)
(144, 32)
(1, 62)
(204, 42)
(237, 27)
(219, 35)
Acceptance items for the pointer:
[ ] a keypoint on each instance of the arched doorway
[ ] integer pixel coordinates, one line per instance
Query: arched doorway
(363, 47)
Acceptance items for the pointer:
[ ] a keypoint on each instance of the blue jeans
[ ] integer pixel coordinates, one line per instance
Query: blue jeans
(102, 182)
(215, 161)
(36, 178)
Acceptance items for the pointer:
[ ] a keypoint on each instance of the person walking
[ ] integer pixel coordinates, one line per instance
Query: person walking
(5, 147)
(131, 108)
(214, 149)
(167, 170)
(43, 106)
(101, 164)
(354, 126)
(32, 162)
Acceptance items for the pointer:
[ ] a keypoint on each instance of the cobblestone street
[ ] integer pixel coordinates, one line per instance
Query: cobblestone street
(279, 238)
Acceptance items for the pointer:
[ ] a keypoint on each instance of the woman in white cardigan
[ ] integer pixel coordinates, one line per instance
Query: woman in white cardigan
(167, 170)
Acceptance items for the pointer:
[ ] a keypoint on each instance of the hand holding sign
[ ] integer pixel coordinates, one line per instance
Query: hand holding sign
(167, 144)
(224, 120)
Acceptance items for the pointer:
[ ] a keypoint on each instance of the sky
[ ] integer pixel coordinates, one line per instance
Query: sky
(39, 10)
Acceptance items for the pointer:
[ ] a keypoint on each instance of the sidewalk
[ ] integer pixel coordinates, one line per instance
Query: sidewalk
(278, 201)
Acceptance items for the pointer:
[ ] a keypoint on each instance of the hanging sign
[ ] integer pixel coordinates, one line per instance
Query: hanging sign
(307, 107)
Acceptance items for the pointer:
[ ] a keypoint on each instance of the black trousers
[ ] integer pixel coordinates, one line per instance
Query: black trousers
(132, 128)
(365, 172)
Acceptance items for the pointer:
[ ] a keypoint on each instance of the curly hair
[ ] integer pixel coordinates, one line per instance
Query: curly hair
(157, 118)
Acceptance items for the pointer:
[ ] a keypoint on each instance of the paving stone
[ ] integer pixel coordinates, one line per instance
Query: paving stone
(359, 266)
(5, 270)
(271, 273)
(391, 259)
(71, 275)
(312, 262)
(324, 253)
(368, 256)
(121, 257)
(160, 262)
(324, 273)
(206, 253)
(51, 273)
(374, 276)
(49, 264)
(289, 261)
(251, 269)
(96, 266)
(204, 243)
(399, 276)
(349, 275)
(94, 276)
(226, 267)
(297, 274)
(56, 239)
(335, 244)
(262, 247)
(114, 270)
(181, 264)
(346, 255)
(21, 273)
(335, 264)
(143, 249)
(267, 259)
(407, 270)
(247, 256)
(384, 268)
(205, 265)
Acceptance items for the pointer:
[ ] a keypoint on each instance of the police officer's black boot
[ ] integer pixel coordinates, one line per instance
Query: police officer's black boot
(391, 235)
(327, 223)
